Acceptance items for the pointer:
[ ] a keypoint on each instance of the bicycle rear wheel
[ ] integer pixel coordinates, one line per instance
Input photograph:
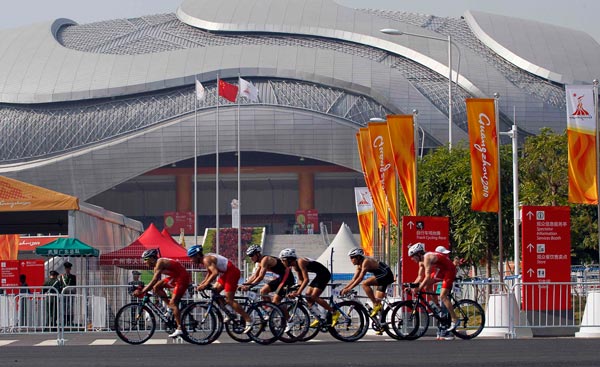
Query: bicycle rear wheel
(298, 317)
(409, 320)
(352, 324)
(135, 324)
(471, 318)
(201, 323)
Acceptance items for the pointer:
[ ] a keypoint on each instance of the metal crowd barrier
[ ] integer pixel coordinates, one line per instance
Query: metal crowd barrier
(511, 310)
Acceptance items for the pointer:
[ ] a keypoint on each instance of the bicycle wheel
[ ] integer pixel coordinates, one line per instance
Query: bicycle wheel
(387, 320)
(201, 323)
(135, 324)
(352, 324)
(408, 322)
(312, 332)
(471, 319)
(297, 322)
(268, 322)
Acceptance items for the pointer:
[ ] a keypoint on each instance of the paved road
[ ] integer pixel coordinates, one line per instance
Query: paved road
(91, 350)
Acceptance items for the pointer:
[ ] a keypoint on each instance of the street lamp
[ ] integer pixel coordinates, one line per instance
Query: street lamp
(396, 32)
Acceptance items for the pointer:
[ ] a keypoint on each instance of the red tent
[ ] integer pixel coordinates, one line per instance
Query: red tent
(129, 257)
(168, 236)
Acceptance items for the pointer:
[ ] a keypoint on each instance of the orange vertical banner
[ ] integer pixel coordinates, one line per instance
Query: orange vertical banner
(371, 176)
(9, 246)
(384, 161)
(581, 135)
(364, 211)
(402, 137)
(483, 142)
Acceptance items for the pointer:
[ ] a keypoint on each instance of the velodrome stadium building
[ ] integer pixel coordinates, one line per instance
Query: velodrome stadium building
(107, 111)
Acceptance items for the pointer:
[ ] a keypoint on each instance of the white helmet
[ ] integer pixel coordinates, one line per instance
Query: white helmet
(357, 251)
(288, 253)
(416, 248)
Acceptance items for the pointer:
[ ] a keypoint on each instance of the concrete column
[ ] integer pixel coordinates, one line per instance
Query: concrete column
(184, 195)
(306, 190)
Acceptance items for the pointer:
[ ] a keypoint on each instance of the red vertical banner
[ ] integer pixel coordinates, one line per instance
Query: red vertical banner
(546, 252)
(364, 211)
(402, 138)
(432, 231)
(483, 143)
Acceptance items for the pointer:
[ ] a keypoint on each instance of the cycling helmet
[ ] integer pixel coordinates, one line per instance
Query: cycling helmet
(416, 248)
(194, 250)
(288, 253)
(356, 252)
(253, 249)
(153, 252)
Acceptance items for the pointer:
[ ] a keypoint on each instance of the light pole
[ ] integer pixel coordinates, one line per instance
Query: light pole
(396, 32)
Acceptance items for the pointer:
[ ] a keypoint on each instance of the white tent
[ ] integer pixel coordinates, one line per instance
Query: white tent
(342, 244)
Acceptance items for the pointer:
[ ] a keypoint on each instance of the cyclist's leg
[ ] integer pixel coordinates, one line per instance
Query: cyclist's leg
(228, 281)
(178, 292)
(446, 288)
(367, 286)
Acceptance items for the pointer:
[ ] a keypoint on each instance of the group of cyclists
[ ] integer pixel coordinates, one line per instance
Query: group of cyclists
(434, 267)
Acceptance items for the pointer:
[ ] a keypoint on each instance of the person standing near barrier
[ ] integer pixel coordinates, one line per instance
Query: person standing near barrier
(135, 283)
(51, 297)
(23, 299)
(67, 279)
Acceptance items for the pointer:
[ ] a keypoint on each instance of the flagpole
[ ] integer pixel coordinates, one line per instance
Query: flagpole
(597, 160)
(500, 245)
(195, 165)
(415, 140)
(217, 170)
(239, 193)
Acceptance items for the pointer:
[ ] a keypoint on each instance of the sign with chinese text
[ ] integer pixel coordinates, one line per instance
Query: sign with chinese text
(432, 231)
(175, 221)
(546, 253)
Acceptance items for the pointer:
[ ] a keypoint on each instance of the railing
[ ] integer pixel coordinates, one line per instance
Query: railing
(518, 310)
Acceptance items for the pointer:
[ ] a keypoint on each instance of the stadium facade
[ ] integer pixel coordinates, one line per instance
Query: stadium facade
(106, 111)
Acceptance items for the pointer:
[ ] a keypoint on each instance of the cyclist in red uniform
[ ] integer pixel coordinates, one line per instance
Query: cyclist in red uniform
(177, 279)
(434, 266)
(229, 275)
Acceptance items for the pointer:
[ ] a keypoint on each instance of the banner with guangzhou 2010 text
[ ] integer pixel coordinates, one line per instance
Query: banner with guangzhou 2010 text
(581, 135)
(384, 162)
(402, 137)
(371, 177)
(364, 211)
(483, 144)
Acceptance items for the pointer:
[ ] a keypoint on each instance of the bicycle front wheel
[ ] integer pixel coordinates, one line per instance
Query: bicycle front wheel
(352, 323)
(268, 322)
(135, 324)
(471, 319)
(297, 322)
(409, 320)
(201, 323)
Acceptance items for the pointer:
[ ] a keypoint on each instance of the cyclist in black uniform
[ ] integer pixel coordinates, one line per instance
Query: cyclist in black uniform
(303, 266)
(266, 263)
(382, 277)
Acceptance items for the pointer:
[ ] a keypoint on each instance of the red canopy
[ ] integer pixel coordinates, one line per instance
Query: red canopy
(129, 257)
(168, 236)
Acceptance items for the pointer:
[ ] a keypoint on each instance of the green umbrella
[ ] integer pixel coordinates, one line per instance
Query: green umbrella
(67, 247)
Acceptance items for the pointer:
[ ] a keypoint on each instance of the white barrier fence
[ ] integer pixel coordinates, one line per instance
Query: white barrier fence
(518, 310)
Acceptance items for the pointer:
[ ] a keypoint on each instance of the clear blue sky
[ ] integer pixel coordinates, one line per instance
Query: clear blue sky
(576, 14)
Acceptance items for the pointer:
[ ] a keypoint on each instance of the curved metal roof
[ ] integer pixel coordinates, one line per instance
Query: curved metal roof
(559, 54)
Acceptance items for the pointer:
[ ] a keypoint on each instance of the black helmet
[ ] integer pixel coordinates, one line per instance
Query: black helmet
(153, 252)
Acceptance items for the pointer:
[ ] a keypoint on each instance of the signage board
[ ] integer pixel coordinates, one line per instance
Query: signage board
(546, 254)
